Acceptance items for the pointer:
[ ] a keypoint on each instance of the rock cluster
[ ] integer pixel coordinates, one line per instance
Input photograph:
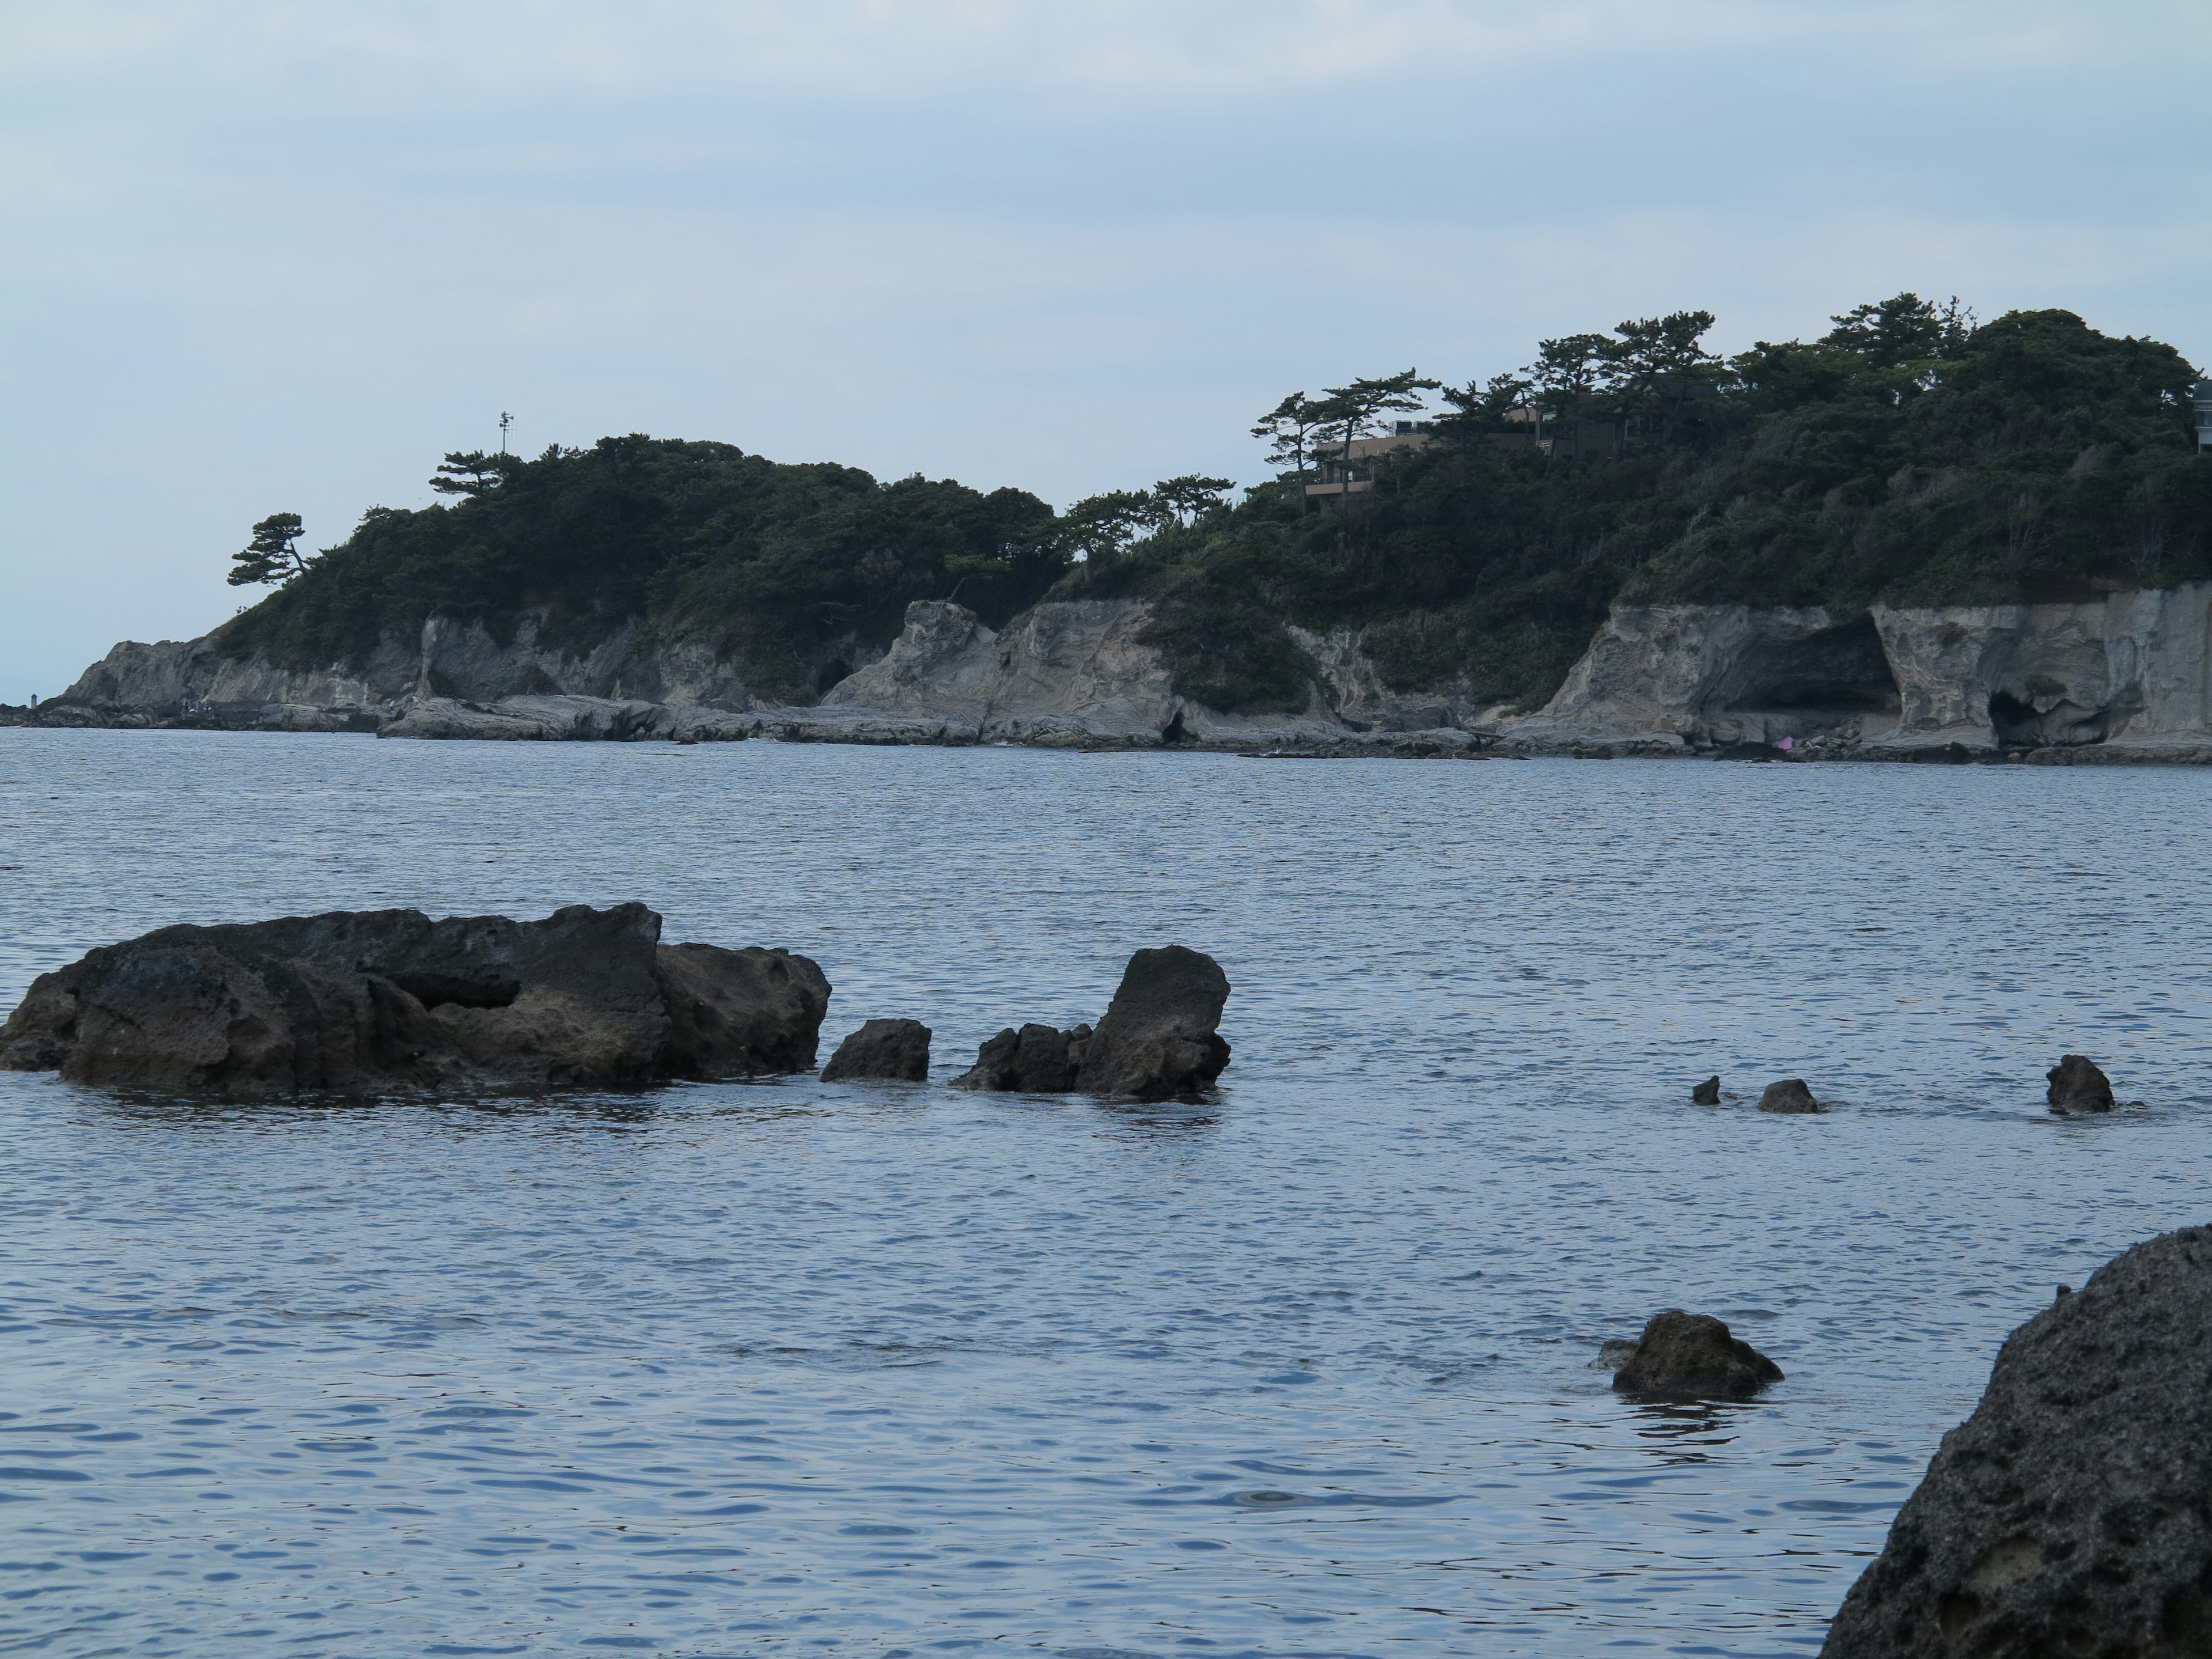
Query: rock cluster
(357, 1002)
(1159, 1038)
(2069, 1514)
(1693, 1357)
(896, 1050)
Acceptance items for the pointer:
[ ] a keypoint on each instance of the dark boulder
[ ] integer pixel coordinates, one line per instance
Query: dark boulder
(2076, 1085)
(2068, 1515)
(357, 1002)
(1790, 1095)
(894, 1049)
(1707, 1093)
(1691, 1357)
(1159, 1038)
(1036, 1059)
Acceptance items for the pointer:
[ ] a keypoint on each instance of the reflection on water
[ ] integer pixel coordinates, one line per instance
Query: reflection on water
(774, 1367)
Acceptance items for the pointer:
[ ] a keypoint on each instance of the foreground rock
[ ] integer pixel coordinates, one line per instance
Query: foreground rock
(1707, 1093)
(893, 1049)
(2076, 1085)
(1692, 1356)
(1790, 1095)
(1159, 1037)
(356, 1002)
(2069, 1514)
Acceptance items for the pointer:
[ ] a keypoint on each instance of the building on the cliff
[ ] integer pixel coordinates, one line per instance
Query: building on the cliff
(1349, 468)
(2200, 396)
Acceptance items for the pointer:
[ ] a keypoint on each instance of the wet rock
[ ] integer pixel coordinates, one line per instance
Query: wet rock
(1692, 1356)
(1036, 1059)
(2076, 1085)
(1159, 1038)
(355, 1002)
(2067, 1513)
(1790, 1095)
(750, 1012)
(898, 1050)
(1707, 1093)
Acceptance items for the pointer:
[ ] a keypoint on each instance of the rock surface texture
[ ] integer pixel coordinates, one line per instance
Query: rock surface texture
(896, 1050)
(2076, 1085)
(361, 1002)
(1790, 1095)
(1159, 1037)
(2070, 1514)
(1693, 1357)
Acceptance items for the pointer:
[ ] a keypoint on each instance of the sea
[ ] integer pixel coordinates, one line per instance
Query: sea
(1305, 1368)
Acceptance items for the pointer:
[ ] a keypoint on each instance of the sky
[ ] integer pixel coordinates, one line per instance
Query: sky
(261, 256)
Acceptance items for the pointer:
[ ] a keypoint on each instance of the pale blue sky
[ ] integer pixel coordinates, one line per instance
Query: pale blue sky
(267, 256)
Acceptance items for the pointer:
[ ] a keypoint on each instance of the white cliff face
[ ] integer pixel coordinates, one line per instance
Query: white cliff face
(2129, 672)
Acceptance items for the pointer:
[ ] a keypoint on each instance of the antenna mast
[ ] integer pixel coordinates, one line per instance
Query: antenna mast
(506, 420)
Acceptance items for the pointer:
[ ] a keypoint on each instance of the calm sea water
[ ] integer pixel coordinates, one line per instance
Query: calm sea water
(778, 1368)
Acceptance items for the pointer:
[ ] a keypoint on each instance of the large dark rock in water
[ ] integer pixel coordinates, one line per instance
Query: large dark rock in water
(1790, 1095)
(2076, 1085)
(2072, 1512)
(358, 1002)
(1036, 1059)
(898, 1050)
(1159, 1038)
(1688, 1356)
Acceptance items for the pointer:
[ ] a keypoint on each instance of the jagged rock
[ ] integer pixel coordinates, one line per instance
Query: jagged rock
(1692, 1356)
(894, 1048)
(363, 1002)
(2076, 1085)
(739, 1014)
(1036, 1059)
(1707, 1093)
(1790, 1095)
(2068, 1515)
(1159, 1038)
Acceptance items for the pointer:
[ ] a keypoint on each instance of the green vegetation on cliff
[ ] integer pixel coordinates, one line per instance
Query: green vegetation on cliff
(1906, 454)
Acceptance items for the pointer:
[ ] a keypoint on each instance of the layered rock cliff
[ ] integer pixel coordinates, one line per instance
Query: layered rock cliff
(2129, 676)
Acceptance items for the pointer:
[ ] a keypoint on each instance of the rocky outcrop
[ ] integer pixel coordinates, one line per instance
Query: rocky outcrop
(369, 1001)
(2069, 1514)
(1693, 1357)
(1159, 1038)
(1160, 1034)
(1037, 1060)
(1789, 1096)
(893, 1049)
(2127, 676)
(2076, 1085)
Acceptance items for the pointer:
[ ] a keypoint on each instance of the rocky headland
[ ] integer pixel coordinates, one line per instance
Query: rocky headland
(2125, 678)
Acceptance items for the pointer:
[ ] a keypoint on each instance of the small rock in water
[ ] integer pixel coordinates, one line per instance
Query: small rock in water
(1036, 1060)
(1790, 1095)
(1612, 1356)
(1158, 1037)
(2076, 1085)
(1707, 1093)
(2067, 1513)
(1692, 1356)
(898, 1050)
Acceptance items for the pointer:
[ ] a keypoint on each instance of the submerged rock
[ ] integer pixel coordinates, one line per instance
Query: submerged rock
(1612, 1356)
(1159, 1038)
(2076, 1085)
(2068, 1515)
(1036, 1060)
(1692, 1356)
(1790, 1095)
(356, 1002)
(1707, 1093)
(898, 1050)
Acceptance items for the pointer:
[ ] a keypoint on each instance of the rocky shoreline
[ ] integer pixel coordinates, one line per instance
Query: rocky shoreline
(2126, 678)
